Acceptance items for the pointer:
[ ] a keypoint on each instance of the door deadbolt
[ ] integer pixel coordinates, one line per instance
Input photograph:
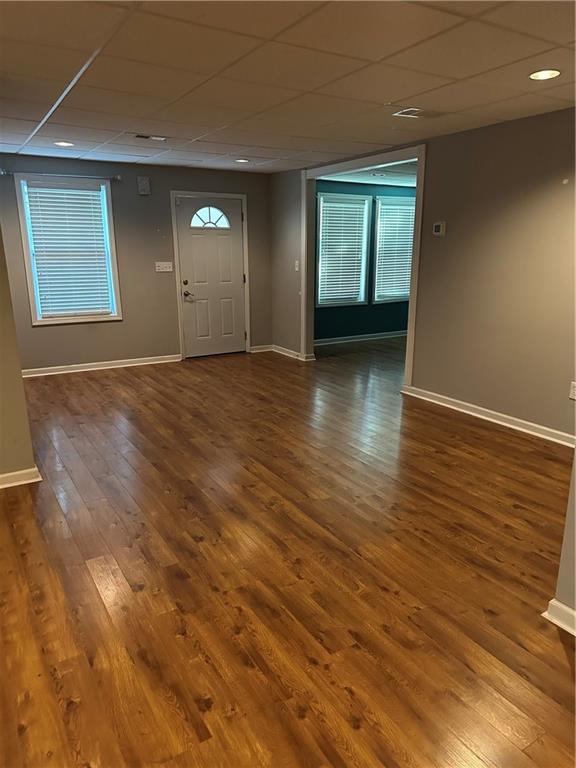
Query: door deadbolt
(184, 282)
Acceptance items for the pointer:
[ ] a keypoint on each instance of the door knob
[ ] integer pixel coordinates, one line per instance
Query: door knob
(187, 293)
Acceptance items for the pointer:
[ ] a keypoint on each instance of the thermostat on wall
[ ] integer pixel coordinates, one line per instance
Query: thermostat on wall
(439, 228)
(143, 185)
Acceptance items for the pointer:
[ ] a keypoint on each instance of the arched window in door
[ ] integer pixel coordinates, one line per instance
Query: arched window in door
(210, 217)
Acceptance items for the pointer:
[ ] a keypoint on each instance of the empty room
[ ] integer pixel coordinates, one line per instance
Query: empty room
(287, 384)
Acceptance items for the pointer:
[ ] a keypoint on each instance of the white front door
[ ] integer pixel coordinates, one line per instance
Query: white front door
(209, 233)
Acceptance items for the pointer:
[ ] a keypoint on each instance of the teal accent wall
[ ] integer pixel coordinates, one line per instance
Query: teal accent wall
(335, 322)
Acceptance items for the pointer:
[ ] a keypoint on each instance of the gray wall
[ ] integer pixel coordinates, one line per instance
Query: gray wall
(495, 313)
(143, 229)
(566, 585)
(15, 446)
(286, 246)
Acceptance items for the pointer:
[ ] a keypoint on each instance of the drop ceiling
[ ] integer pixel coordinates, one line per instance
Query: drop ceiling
(281, 84)
(398, 174)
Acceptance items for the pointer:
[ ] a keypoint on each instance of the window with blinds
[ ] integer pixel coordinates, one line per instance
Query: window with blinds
(343, 236)
(394, 240)
(68, 236)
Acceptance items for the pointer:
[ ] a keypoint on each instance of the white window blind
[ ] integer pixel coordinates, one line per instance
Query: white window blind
(343, 234)
(394, 240)
(71, 269)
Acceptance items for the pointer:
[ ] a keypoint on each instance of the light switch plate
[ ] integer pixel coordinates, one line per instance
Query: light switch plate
(163, 266)
(572, 394)
(439, 228)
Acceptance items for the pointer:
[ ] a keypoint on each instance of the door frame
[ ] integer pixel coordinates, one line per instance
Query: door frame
(177, 271)
(416, 151)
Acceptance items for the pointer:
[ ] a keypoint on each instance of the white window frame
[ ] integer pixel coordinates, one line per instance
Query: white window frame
(67, 182)
(367, 234)
(382, 199)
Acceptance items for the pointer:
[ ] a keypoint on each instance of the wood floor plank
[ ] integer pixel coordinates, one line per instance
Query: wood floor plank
(249, 562)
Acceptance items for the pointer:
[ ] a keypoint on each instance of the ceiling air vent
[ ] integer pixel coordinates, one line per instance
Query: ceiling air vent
(414, 112)
(149, 138)
(408, 112)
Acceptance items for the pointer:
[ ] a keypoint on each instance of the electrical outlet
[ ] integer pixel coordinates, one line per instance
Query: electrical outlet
(163, 266)
(572, 394)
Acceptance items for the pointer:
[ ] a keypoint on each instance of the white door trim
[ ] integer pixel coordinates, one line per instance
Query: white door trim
(417, 152)
(177, 271)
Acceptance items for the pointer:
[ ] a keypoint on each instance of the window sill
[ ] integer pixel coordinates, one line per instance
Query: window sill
(76, 320)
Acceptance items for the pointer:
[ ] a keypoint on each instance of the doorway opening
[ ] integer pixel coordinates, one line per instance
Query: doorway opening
(366, 216)
(212, 279)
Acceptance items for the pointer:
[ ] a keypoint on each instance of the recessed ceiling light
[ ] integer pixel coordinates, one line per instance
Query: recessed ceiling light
(545, 74)
(241, 160)
(63, 144)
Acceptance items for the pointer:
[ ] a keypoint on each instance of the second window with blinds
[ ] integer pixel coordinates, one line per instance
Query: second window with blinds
(348, 252)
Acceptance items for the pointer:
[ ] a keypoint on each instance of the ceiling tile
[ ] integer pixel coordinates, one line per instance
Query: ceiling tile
(70, 132)
(30, 88)
(114, 102)
(23, 110)
(196, 157)
(251, 18)
(465, 7)
(314, 109)
(462, 95)
(290, 67)
(173, 130)
(13, 138)
(467, 50)
(517, 75)
(139, 78)
(114, 158)
(384, 84)
(565, 92)
(368, 30)
(551, 20)
(39, 61)
(172, 43)
(84, 118)
(241, 150)
(520, 106)
(131, 139)
(48, 142)
(77, 25)
(21, 127)
(129, 149)
(221, 91)
(187, 112)
(50, 151)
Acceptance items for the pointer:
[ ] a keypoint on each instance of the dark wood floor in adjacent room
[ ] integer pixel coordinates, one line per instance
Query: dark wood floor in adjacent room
(248, 562)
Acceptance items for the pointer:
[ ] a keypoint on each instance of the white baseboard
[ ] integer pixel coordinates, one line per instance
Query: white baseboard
(78, 367)
(262, 348)
(561, 615)
(498, 418)
(360, 337)
(21, 477)
(283, 351)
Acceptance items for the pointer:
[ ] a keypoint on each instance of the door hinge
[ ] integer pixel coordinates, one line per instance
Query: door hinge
(244, 278)
(245, 335)
(241, 215)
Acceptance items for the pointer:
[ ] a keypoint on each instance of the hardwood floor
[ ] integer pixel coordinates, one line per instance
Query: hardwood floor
(248, 561)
